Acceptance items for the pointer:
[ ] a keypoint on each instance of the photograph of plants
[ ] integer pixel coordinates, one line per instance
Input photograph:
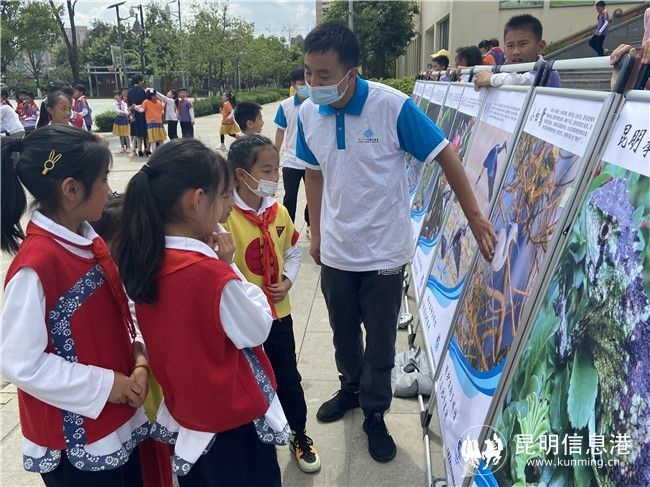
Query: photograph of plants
(447, 116)
(585, 367)
(527, 210)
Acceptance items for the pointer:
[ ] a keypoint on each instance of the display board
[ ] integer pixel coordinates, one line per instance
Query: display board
(577, 408)
(436, 99)
(547, 165)
(418, 89)
(449, 107)
(460, 134)
(426, 96)
(485, 164)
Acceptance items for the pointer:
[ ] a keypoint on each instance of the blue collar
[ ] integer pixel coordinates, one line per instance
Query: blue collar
(296, 100)
(356, 103)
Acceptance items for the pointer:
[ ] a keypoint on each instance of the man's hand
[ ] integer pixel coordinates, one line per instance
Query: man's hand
(642, 57)
(484, 234)
(314, 249)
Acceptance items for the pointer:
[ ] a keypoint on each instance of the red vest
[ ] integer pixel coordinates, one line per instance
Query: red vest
(207, 382)
(97, 331)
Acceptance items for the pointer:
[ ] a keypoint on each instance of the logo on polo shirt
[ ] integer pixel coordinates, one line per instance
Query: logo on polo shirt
(368, 138)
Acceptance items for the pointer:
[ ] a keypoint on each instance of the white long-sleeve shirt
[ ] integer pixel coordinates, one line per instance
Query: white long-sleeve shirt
(70, 386)
(246, 319)
(170, 107)
(121, 108)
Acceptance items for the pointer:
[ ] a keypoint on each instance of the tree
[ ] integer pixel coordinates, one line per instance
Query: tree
(384, 30)
(71, 44)
(9, 49)
(36, 32)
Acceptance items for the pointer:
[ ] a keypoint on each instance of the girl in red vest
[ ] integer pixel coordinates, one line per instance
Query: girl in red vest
(202, 322)
(67, 336)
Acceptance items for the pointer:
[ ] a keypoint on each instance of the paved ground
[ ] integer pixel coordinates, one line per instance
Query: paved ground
(342, 445)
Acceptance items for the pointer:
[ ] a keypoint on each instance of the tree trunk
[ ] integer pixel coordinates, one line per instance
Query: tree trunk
(381, 64)
(73, 57)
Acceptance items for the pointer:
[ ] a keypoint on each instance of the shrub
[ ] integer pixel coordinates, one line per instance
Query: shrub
(104, 121)
(404, 84)
(207, 106)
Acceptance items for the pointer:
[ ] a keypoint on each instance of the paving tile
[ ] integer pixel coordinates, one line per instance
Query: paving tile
(12, 473)
(406, 469)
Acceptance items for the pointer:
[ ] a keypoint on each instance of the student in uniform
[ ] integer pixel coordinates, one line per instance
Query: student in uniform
(185, 114)
(353, 137)
(228, 124)
(81, 105)
(67, 337)
(30, 113)
(153, 111)
(266, 252)
(597, 40)
(10, 123)
(484, 46)
(122, 124)
(286, 121)
(220, 407)
(171, 112)
(497, 53)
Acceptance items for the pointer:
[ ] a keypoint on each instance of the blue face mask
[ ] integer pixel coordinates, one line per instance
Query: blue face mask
(326, 95)
(303, 91)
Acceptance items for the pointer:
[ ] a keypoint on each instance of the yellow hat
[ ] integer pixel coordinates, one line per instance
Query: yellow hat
(442, 52)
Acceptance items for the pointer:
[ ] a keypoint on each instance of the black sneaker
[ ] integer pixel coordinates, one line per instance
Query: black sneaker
(380, 444)
(336, 407)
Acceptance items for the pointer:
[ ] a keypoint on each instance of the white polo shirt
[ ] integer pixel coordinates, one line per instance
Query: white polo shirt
(287, 119)
(9, 121)
(361, 150)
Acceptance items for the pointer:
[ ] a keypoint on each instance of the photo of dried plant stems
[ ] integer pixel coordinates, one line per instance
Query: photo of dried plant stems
(525, 218)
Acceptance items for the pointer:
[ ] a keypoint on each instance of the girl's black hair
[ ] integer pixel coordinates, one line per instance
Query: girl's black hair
(5, 97)
(243, 152)
(150, 94)
(81, 88)
(50, 101)
(106, 226)
(82, 157)
(471, 54)
(151, 201)
(231, 98)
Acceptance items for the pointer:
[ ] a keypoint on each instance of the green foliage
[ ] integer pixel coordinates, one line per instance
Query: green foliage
(384, 30)
(104, 121)
(404, 84)
(9, 49)
(583, 387)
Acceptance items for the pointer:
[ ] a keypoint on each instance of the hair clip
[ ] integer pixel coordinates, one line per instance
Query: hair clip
(49, 164)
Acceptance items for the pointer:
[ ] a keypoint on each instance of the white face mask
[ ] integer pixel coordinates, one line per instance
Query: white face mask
(326, 95)
(264, 187)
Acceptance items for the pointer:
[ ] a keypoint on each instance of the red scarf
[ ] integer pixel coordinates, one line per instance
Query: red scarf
(109, 269)
(269, 258)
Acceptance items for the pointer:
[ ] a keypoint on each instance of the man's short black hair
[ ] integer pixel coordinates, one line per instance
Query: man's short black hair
(494, 42)
(246, 111)
(484, 43)
(337, 36)
(137, 79)
(601, 4)
(298, 75)
(525, 21)
(444, 60)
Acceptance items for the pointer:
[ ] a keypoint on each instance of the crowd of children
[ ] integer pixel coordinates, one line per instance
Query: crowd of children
(197, 239)
(524, 43)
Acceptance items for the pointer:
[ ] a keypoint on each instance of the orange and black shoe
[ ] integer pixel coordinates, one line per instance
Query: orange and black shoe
(306, 455)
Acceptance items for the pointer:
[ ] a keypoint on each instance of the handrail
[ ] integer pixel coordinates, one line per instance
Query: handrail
(642, 78)
(587, 63)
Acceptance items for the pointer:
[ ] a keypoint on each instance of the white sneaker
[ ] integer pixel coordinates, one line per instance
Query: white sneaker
(223, 147)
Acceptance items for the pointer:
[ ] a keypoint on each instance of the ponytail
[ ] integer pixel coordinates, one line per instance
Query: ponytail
(140, 240)
(43, 116)
(151, 201)
(14, 200)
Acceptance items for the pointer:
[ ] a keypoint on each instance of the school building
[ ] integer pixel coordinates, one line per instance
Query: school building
(449, 24)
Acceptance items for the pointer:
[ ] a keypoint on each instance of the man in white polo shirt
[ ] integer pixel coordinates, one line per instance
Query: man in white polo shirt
(286, 121)
(353, 136)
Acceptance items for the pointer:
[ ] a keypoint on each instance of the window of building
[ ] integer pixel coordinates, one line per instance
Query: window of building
(443, 33)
